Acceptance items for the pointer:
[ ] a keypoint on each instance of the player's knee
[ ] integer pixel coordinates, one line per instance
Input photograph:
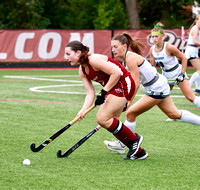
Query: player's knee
(100, 120)
(190, 98)
(130, 116)
(176, 115)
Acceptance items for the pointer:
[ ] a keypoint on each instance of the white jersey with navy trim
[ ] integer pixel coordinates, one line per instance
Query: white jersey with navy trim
(146, 70)
(192, 51)
(162, 59)
(147, 73)
(190, 37)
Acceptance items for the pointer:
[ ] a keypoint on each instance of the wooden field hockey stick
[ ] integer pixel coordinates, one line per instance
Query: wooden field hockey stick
(79, 143)
(50, 139)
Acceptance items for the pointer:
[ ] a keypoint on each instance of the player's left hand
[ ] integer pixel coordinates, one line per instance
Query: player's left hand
(180, 77)
(100, 97)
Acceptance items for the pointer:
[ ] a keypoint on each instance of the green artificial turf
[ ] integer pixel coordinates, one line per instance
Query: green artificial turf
(33, 116)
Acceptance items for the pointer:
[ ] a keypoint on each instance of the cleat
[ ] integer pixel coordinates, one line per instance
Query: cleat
(141, 156)
(171, 119)
(115, 146)
(134, 146)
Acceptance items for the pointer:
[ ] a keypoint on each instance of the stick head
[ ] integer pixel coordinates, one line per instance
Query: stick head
(33, 147)
(59, 154)
(36, 149)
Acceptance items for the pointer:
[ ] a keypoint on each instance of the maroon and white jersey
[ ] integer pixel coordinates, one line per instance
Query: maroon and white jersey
(125, 87)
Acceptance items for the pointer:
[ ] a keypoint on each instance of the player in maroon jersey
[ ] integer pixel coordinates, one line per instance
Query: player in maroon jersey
(118, 88)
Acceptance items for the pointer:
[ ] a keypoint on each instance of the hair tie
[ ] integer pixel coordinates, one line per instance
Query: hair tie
(157, 26)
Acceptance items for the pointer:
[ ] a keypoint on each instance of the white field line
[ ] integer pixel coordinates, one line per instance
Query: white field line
(41, 76)
(57, 76)
(45, 78)
(37, 89)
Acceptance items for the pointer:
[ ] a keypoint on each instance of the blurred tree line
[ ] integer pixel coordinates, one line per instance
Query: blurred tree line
(93, 14)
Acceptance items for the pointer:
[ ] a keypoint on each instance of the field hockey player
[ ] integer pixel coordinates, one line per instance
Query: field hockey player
(166, 56)
(192, 52)
(155, 84)
(118, 88)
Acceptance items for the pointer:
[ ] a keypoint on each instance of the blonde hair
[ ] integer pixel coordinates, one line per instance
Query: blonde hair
(195, 21)
(158, 28)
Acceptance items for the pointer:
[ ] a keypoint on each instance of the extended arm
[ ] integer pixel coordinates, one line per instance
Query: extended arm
(132, 61)
(152, 60)
(174, 51)
(90, 93)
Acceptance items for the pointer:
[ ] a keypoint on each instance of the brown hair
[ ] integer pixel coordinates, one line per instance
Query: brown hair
(158, 28)
(196, 18)
(75, 46)
(134, 44)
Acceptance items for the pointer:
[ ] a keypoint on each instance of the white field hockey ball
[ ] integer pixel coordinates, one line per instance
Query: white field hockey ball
(26, 162)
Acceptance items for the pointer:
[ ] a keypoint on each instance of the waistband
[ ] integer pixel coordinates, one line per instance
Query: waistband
(192, 45)
(172, 69)
(152, 81)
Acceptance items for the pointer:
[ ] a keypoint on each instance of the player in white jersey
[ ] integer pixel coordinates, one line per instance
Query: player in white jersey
(165, 55)
(192, 52)
(155, 84)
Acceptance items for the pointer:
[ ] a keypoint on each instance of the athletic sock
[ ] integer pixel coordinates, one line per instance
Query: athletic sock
(197, 83)
(189, 117)
(131, 126)
(122, 132)
(197, 101)
(193, 78)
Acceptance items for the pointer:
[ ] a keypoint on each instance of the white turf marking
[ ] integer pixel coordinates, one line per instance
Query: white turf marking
(36, 89)
(51, 76)
(45, 78)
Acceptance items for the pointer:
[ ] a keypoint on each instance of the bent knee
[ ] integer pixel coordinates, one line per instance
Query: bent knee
(176, 115)
(130, 115)
(101, 120)
(190, 97)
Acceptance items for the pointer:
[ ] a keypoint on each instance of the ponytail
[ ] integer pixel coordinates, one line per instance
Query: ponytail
(134, 44)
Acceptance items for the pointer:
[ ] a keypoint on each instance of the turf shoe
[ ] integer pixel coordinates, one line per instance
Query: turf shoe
(115, 146)
(141, 156)
(134, 146)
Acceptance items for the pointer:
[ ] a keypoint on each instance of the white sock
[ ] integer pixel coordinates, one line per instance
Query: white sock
(197, 101)
(189, 117)
(197, 83)
(131, 126)
(193, 78)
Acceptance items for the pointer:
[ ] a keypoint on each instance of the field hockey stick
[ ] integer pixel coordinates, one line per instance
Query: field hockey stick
(50, 139)
(79, 143)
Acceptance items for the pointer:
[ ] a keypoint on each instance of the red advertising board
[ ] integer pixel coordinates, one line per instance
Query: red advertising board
(48, 45)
